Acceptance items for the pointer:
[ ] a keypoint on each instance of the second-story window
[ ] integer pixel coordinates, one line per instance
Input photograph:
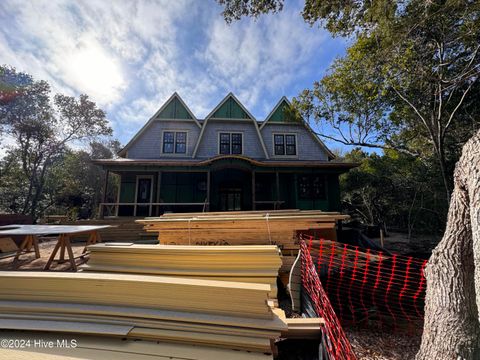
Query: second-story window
(230, 143)
(285, 144)
(181, 142)
(174, 142)
(236, 143)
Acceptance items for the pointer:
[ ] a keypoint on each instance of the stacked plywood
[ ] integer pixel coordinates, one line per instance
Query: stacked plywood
(232, 315)
(239, 228)
(252, 264)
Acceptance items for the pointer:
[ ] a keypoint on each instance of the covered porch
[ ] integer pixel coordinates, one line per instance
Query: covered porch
(227, 183)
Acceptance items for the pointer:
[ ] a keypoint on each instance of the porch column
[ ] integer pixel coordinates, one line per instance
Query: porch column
(277, 180)
(159, 188)
(105, 191)
(208, 190)
(253, 190)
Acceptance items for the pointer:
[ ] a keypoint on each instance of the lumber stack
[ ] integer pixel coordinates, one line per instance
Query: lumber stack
(239, 228)
(252, 264)
(232, 315)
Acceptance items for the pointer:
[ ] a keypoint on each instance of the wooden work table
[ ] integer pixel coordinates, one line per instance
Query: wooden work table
(64, 233)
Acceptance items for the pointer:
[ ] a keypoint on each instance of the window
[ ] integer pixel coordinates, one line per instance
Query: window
(236, 144)
(312, 187)
(230, 143)
(181, 143)
(224, 143)
(290, 145)
(279, 144)
(285, 144)
(175, 142)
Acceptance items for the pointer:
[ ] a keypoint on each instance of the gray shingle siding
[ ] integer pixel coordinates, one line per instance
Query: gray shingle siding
(149, 143)
(307, 147)
(208, 146)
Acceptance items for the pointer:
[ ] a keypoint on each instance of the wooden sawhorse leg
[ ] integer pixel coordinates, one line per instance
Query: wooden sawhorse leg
(62, 244)
(93, 238)
(25, 246)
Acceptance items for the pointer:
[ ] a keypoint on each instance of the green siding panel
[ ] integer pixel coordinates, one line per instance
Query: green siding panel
(127, 188)
(174, 110)
(178, 187)
(279, 113)
(230, 109)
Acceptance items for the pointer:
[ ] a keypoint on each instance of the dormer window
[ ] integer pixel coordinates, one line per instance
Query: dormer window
(174, 142)
(285, 144)
(230, 143)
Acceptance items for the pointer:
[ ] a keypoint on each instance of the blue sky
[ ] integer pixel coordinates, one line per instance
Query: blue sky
(130, 56)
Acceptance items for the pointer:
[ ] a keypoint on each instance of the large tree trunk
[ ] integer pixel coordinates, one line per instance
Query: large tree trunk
(452, 329)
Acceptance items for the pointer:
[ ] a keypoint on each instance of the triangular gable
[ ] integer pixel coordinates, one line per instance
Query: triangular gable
(230, 108)
(278, 115)
(173, 109)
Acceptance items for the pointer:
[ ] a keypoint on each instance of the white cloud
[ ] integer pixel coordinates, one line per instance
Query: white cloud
(258, 58)
(130, 56)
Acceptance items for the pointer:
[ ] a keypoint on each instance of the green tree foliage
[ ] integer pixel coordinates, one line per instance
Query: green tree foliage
(394, 190)
(408, 82)
(78, 184)
(40, 127)
(235, 9)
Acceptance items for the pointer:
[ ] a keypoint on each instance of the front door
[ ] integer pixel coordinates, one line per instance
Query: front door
(144, 196)
(230, 199)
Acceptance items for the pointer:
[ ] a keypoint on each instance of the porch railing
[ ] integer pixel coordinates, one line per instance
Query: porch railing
(275, 204)
(112, 208)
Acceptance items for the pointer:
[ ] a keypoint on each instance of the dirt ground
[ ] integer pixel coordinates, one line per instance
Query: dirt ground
(418, 246)
(371, 344)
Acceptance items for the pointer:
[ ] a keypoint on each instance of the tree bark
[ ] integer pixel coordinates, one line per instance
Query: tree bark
(452, 329)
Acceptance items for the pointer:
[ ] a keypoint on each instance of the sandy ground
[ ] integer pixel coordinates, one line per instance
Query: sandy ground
(29, 263)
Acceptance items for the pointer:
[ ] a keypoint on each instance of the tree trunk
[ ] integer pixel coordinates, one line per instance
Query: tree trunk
(452, 329)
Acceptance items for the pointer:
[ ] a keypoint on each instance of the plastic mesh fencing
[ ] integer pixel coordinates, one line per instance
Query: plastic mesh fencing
(366, 286)
(336, 343)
